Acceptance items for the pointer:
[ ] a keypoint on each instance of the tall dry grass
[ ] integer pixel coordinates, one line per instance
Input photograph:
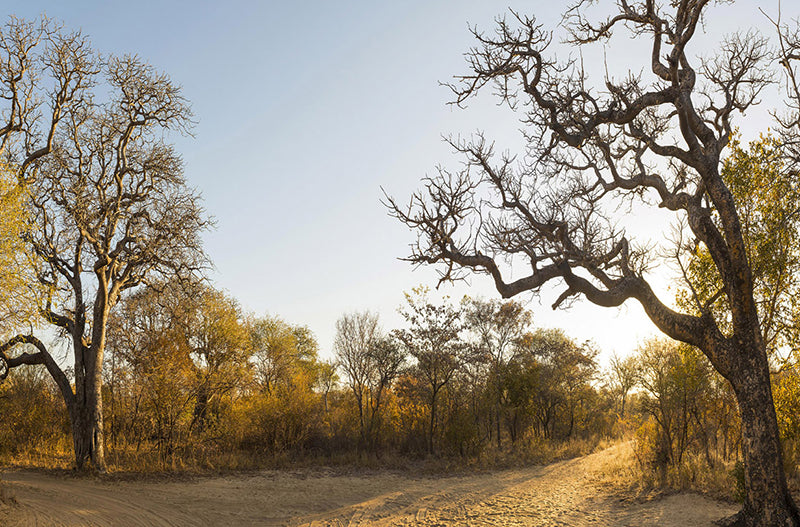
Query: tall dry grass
(53, 454)
(624, 471)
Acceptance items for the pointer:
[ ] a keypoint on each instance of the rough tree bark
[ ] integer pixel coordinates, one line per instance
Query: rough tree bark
(588, 147)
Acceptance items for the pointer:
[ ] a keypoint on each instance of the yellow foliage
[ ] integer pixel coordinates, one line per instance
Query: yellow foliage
(786, 394)
(16, 296)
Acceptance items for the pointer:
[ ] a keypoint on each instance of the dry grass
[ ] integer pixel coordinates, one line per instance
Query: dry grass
(147, 462)
(623, 473)
(537, 451)
(619, 469)
(56, 455)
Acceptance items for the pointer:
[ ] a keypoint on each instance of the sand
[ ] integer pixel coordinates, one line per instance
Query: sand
(568, 493)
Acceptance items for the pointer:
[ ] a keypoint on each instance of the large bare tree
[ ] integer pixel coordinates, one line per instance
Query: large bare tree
(107, 203)
(656, 138)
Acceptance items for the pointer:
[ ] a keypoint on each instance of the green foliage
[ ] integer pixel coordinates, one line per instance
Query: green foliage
(563, 373)
(282, 354)
(689, 435)
(285, 413)
(498, 328)
(676, 379)
(768, 198)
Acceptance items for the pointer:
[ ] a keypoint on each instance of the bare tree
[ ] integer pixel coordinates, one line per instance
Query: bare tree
(656, 139)
(623, 375)
(370, 362)
(39, 64)
(107, 201)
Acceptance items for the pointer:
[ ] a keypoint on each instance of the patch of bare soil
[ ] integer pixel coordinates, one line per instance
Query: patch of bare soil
(569, 493)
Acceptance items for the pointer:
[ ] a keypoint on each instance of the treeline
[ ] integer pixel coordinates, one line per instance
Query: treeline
(191, 380)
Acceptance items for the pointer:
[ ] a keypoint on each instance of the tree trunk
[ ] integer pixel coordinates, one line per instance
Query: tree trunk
(375, 423)
(432, 424)
(498, 404)
(622, 410)
(359, 395)
(200, 413)
(767, 500)
(87, 433)
(497, 423)
(87, 417)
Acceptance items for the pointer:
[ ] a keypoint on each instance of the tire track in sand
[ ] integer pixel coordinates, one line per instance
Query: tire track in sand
(565, 493)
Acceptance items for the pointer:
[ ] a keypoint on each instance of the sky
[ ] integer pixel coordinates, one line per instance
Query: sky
(304, 111)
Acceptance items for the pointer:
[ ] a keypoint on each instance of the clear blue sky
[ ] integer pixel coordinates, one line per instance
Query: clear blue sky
(305, 109)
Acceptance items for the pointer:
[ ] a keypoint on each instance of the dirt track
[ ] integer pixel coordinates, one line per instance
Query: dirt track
(566, 493)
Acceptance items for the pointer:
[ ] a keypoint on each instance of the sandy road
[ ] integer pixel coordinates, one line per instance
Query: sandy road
(565, 493)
